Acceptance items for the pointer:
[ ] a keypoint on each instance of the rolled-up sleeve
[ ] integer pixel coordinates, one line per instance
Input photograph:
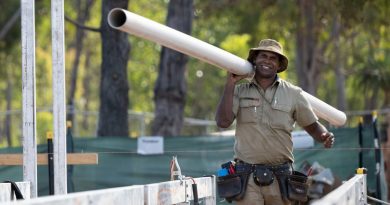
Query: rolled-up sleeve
(304, 114)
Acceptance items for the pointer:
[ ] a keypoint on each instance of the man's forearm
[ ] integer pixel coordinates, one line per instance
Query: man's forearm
(316, 130)
(224, 116)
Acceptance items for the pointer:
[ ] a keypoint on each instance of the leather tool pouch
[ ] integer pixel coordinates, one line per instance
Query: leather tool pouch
(263, 176)
(297, 186)
(232, 187)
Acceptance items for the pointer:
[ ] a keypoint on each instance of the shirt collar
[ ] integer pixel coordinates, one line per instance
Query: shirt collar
(275, 83)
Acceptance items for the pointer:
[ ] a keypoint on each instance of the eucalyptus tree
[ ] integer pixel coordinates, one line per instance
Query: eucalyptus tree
(366, 41)
(170, 89)
(83, 9)
(9, 74)
(114, 87)
(372, 79)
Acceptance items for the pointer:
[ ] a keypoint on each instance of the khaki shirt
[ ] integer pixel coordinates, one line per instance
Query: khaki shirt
(265, 120)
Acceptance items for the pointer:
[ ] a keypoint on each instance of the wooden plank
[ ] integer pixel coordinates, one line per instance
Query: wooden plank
(180, 192)
(59, 107)
(165, 193)
(353, 191)
(133, 195)
(28, 90)
(205, 187)
(72, 158)
(6, 195)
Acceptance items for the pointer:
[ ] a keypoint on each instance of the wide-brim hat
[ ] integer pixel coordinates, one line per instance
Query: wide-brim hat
(272, 46)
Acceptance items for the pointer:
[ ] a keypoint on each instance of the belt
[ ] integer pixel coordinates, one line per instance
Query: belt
(281, 171)
(242, 166)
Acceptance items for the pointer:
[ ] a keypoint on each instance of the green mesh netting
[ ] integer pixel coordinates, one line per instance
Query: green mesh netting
(120, 165)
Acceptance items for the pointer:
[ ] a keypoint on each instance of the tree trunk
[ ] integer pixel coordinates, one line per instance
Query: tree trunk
(7, 125)
(386, 101)
(340, 76)
(371, 101)
(170, 89)
(86, 88)
(83, 12)
(114, 87)
(307, 51)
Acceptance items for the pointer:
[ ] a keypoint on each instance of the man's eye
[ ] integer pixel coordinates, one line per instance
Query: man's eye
(263, 56)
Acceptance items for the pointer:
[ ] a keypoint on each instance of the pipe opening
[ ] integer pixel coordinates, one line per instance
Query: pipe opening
(116, 18)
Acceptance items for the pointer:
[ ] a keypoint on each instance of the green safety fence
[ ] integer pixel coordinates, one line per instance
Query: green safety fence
(120, 165)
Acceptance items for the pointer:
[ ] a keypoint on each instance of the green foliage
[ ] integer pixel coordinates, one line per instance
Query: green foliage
(144, 58)
(237, 44)
(44, 125)
(374, 76)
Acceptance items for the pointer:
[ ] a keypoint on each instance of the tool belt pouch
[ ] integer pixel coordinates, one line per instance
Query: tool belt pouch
(297, 186)
(233, 186)
(263, 176)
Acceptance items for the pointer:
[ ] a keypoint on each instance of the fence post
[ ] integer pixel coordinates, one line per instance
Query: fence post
(59, 107)
(28, 89)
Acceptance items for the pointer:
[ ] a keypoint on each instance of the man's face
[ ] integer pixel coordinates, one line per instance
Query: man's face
(267, 64)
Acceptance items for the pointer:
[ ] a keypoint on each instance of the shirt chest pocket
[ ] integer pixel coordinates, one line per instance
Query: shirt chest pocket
(281, 117)
(248, 110)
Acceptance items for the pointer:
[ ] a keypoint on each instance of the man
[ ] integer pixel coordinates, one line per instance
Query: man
(266, 110)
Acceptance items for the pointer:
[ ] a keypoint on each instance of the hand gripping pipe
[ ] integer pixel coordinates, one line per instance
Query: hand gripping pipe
(145, 28)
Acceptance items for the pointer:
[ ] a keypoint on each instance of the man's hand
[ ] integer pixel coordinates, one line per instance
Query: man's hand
(328, 139)
(233, 78)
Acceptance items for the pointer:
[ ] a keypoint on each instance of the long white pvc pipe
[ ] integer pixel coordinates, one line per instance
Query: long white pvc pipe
(145, 28)
(171, 38)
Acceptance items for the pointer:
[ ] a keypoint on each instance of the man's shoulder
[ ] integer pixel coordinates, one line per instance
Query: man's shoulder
(244, 85)
(246, 89)
(289, 86)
